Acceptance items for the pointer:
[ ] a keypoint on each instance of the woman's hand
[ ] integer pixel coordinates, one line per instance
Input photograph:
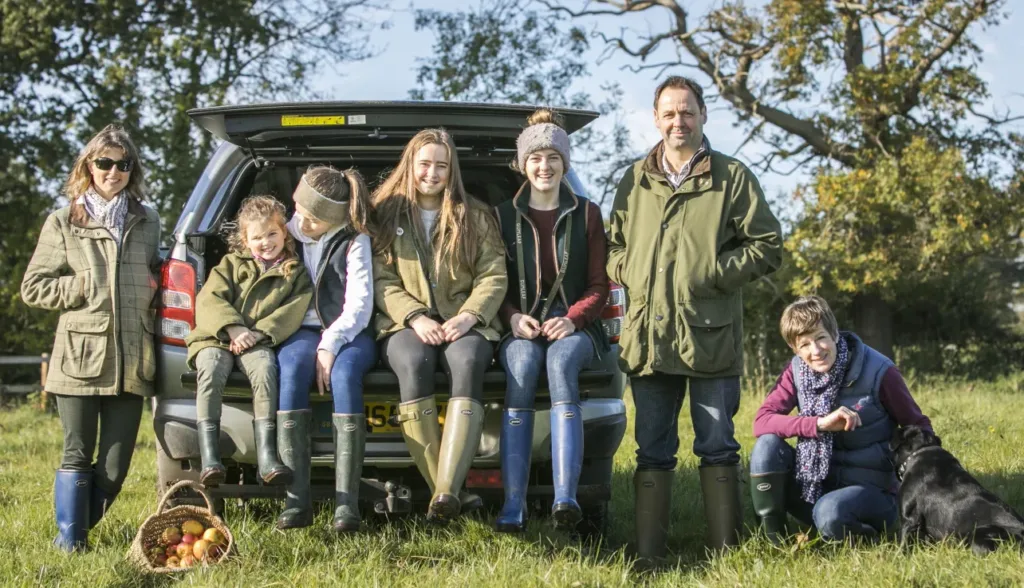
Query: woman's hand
(324, 365)
(840, 419)
(524, 326)
(242, 339)
(557, 328)
(458, 326)
(428, 330)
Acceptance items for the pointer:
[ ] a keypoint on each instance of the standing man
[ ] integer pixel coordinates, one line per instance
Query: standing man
(690, 226)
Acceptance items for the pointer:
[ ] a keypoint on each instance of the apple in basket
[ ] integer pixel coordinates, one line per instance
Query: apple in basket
(172, 562)
(200, 549)
(189, 538)
(214, 552)
(170, 536)
(171, 550)
(214, 536)
(192, 527)
(183, 549)
(188, 561)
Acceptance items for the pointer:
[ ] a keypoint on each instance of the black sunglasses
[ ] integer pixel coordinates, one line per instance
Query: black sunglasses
(105, 163)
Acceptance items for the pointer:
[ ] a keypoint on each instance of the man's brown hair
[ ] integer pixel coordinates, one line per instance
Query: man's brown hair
(802, 317)
(680, 83)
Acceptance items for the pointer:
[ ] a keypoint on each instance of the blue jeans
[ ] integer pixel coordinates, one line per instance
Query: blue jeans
(713, 404)
(296, 359)
(850, 510)
(523, 360)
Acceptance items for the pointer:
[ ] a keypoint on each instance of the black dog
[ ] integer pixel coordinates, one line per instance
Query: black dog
(939, 499)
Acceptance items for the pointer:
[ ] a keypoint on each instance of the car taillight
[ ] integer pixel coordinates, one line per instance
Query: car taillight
(483, 479)
(611, 316)
(178, 301)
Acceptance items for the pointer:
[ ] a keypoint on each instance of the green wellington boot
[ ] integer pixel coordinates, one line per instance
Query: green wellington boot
(768, 494)
(349, 447)
(294, 427)
(652, 509)
(723, 508)
(464, 422)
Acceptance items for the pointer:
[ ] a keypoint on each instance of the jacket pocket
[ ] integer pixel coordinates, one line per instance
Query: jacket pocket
(633, 335)
(147, 347)
(708, 328)
(86, 338)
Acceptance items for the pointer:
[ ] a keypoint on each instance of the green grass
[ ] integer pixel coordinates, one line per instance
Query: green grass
(980, 422)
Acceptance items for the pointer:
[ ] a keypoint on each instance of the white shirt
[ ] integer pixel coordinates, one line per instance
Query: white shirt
(358, 306)
(429, 219)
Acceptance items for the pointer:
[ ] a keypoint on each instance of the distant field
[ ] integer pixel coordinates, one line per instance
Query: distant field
(982, 423)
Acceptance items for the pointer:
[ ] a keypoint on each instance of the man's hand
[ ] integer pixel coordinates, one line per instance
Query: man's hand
(457, 326)
(428, 330)
(324, 365)
(841, 419)
(557, 328)
(524, 326)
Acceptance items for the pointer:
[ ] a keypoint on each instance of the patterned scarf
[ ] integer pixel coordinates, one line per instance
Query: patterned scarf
(109, 213)
(817, 395)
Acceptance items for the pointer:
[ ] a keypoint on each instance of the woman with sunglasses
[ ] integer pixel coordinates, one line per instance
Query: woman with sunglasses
(96, 262)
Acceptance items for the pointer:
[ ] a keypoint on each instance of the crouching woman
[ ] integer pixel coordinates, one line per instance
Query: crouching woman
(840, 476)
(96, 262)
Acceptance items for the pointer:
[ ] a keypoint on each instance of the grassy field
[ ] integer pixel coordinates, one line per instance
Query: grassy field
(980, 422)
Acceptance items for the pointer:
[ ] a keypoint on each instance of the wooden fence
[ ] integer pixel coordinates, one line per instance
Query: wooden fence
(43, 361)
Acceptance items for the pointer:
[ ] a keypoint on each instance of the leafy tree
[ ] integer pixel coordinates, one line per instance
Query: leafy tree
(507, 51)
(855, 90)
(67, 68)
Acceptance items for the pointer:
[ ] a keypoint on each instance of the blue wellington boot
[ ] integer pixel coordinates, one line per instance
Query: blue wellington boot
(566, 462)
(71, 490)
(516, 447)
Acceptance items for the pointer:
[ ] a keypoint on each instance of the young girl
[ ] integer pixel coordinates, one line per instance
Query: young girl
(840, 477)
(440, 278)
(96, 257)
(333, 347)
(556, 245)
(252, 301)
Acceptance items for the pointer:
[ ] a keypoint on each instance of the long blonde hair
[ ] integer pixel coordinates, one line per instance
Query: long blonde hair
(111, 137)
(455, 240)
(258, 208)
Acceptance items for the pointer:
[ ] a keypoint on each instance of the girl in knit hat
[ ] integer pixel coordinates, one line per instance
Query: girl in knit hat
(556, 264)
(334, 348)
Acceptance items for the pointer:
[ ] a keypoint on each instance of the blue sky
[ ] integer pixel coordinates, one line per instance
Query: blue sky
(392, 74)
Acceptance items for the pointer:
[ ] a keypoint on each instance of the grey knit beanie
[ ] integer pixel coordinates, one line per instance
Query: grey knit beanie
(542, 136)
(321, 206)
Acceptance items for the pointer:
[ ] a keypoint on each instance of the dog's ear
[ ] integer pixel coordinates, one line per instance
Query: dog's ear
(903, 436)
(929, 438)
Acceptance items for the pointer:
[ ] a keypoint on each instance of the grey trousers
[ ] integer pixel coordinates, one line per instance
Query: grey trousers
(115, 421)
(214, 365)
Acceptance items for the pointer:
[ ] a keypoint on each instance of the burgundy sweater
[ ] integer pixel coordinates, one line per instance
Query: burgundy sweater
(591, 303)
(773, 417)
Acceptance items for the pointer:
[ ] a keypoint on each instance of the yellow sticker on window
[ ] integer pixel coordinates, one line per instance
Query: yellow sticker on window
(293, 120)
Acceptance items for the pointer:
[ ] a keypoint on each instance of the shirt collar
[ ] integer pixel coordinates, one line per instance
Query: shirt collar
(676, 178)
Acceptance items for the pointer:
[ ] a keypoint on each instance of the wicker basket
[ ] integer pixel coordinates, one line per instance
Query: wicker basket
(151, 529)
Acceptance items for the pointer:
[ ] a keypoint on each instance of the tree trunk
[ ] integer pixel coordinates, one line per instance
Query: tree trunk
(872, 321)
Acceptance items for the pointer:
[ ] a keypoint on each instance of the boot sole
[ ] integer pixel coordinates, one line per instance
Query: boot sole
(278, 478)
(346, 526)
(294, 524)
(509, 527)
(566, 516)
(213, 477)
(443, 511)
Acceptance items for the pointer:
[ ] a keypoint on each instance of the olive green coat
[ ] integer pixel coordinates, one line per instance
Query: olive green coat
(238, 292)
(105, 335)
(683, 256)
(408, 287)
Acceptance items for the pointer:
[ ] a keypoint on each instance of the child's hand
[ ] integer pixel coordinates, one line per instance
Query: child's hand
(324, 365)
(243, 341)
(458, 326)
(428, 330)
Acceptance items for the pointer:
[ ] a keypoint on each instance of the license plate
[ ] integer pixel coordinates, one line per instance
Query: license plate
(379, 417)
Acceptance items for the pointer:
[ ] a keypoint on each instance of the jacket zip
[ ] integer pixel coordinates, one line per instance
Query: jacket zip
(119, 247)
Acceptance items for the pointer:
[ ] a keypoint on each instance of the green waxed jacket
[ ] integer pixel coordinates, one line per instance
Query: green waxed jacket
(105, 292)
(239, 293)
(683, 255)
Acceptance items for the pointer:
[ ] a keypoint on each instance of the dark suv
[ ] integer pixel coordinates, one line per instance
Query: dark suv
(265, 149)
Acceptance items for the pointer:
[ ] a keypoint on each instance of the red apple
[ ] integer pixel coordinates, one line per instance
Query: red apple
(172, 550)
(183, 550)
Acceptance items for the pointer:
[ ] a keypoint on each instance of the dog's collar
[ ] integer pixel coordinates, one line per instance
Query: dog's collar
(903, 467)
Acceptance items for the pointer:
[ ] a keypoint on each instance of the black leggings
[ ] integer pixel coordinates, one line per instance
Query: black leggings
(414, 362)
(111, 420)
